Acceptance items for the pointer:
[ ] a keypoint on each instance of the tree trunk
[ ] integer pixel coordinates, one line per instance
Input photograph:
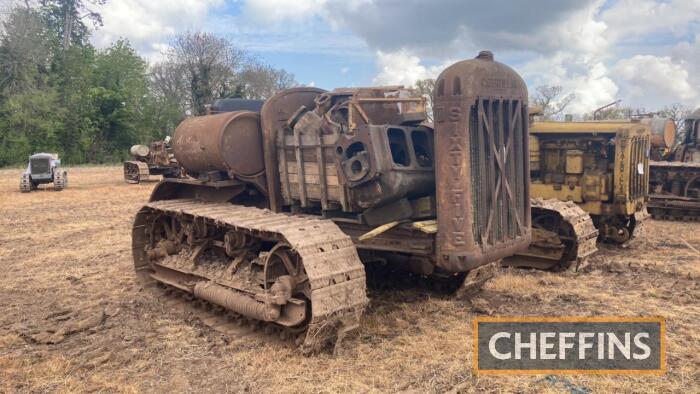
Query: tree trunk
(67, 24)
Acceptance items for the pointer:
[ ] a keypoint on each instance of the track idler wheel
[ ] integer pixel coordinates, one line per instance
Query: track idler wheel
(618, 234)
(286, 280)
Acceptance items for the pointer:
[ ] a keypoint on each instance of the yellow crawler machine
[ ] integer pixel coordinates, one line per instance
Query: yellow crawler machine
(601, 166)
(589, 180)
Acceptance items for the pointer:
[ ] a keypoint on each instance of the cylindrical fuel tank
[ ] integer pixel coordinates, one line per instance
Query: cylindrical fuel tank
(139, 151)
(663, 131)
(228, 142)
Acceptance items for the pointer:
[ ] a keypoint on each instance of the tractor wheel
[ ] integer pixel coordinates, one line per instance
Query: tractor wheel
(60, 180)
(25, 184)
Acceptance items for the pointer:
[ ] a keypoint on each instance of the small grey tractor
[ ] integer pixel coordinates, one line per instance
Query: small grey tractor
(43, 168)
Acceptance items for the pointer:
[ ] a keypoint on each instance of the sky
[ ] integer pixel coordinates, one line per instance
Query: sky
(643, 52)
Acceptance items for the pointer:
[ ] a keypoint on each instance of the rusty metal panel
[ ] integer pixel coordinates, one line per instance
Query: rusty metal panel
(482, 163)
(275, 114)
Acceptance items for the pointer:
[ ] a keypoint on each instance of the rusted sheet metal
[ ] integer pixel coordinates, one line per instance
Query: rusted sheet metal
(381, 164)
(229, 142)
(275, 113)
(481, 142)
(355, 149)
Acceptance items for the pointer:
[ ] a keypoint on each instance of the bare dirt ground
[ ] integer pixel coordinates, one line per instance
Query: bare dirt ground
(73, 319)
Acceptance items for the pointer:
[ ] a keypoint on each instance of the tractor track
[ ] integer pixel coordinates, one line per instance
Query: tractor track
(335, 272)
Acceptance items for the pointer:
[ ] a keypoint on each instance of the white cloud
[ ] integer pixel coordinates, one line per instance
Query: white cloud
(645, 75)
(588, 80)
(274, 11)
(581, 52)
(646, 52)
(687, 54)
(149, 25)
(628, 19)
(403, 68)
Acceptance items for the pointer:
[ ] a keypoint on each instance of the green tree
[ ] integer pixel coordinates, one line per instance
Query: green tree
(59, 94)
(25, 55)
(72, 77)
(29, 110)
(66, 18)
(120, 98)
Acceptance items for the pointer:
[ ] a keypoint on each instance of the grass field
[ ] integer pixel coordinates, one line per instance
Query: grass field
(73, 319)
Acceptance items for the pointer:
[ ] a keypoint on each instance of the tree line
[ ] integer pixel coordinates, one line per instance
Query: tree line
(60, 94)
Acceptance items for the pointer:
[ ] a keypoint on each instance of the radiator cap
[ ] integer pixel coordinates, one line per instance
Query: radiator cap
(485, 55)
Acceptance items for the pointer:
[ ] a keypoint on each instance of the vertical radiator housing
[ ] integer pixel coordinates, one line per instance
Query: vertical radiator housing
(482, 163)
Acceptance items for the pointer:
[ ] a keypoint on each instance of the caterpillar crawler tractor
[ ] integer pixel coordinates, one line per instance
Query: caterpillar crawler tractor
(675, 181)
(588, 181)
(43, 168)
(282, 208)
(156, 159)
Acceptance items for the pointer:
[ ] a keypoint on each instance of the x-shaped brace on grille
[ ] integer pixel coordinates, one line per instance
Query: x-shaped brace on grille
(501, 178)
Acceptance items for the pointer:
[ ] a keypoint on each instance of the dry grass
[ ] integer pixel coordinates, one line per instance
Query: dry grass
(66, 259)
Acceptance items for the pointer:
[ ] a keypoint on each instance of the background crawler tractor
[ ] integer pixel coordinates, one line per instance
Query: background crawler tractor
(280, 215)
(675, 179)
(156, 159)
(43, 168)
(590, 181)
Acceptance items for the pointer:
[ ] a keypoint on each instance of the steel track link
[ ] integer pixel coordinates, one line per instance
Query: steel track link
(580, 221)
(336, 274)
(144, 173)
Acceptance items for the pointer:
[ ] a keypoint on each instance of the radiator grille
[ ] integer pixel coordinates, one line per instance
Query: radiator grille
(638, 169)
(40, 166)
(499, 173)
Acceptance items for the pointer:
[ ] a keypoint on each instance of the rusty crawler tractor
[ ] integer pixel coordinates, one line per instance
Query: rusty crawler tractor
(284, 208)
(586, 176)
(675, 181)
(154, 160)
(43, 168)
